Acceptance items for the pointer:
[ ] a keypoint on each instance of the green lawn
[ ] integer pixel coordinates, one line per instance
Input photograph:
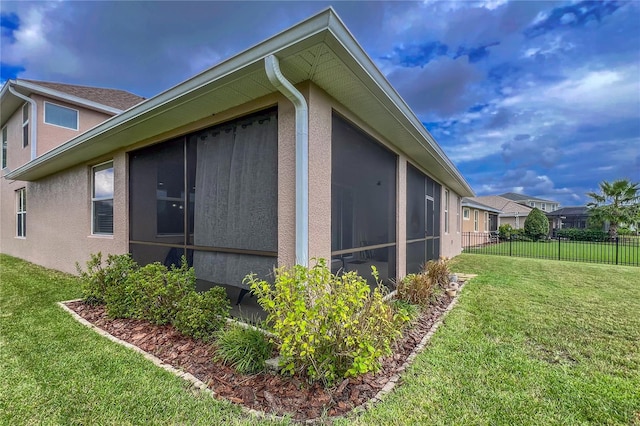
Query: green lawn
(530, 342)
(627, 252)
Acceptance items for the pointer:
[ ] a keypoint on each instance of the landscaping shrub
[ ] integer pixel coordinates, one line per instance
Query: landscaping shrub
(536, 225)
(327, 326)
(245, 349)
(416, 289)
(505, 231)
(157, 290)
(408, 310)
(200, 315)
(438, 271)
(578, 234)
(99, 280)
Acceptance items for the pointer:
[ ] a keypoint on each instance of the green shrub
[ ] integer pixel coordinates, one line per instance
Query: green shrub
(438, 271)
(505, 231)
(327, 326)
(98, 281)
(245, 349)
(578, 234)
(536, 225)
(416, 289)
(405, 309)
(200, 315)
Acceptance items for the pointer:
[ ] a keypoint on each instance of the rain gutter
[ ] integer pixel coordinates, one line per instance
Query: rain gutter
(284, 86)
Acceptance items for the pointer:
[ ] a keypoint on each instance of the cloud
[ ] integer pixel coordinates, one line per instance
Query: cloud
(574, 15)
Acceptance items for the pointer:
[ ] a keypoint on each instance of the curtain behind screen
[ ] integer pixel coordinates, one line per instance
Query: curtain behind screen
(236, 199)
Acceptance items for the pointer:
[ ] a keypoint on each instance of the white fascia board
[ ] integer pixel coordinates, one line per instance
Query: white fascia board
(56, 94)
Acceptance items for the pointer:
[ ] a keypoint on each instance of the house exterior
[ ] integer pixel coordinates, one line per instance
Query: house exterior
(295, 149)
(478, 217)
(529, 201)
(568, 217)
(512, 213)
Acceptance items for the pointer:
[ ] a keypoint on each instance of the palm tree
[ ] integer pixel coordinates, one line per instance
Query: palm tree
(616, 203)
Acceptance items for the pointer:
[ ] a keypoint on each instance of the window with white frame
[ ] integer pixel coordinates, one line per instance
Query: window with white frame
(446, 211)
(61, 116)
(21, 212)
(466, 214)
(458, 208)
(475, 220)
(4, 147)
(102, 199)
(486, 222)
(544, 207)
(25, 125)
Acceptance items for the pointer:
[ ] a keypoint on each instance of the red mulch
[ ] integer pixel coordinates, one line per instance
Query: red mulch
(267, 392)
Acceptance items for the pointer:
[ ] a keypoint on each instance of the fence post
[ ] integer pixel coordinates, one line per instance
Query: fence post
(510, 242)
(558, 248)
(617, 239)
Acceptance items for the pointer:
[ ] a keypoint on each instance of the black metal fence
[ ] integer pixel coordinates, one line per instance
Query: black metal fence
(624, 250)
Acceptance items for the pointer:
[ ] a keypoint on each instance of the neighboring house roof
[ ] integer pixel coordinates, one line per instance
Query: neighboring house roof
(519, 198)
(570, 211)
(108, 101)
(115, 98)
(472, 203)
(320, 49)
(506, 206)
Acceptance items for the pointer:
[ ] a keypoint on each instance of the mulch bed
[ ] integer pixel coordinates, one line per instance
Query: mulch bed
(266, 392)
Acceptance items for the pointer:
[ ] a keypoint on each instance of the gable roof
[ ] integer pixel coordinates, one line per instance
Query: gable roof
(506, 206)
(115, 98)
(514, 196)
(320, 49)
(473, 203)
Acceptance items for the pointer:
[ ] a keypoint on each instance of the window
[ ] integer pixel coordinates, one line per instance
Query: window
(532, 204)
(475, 220)
(21, 212)
(544, 207)
(102, 199)
(25, 125)
(4, 147)
(446, 211)
(466, 214)
(486, 222)
(60, 116)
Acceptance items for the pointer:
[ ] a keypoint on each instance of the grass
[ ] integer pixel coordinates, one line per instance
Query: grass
(626, 253)
(530, 342)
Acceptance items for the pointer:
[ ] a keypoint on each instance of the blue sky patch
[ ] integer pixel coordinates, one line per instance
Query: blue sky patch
(9, 71)
(9, 23)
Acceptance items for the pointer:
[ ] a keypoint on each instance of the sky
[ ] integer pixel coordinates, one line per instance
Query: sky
(535, 97)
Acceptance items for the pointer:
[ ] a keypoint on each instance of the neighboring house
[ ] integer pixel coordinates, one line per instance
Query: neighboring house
(568, 217)
(512, 213)
(479, 217)
(294, 149)
(529, 201)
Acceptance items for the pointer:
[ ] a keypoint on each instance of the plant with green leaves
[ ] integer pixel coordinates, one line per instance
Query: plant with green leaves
(327, 326)
(244, 348)
(536, 225)
(438, 271)
(617, 202)
(200, 315)
(102, 278)
(416, 289)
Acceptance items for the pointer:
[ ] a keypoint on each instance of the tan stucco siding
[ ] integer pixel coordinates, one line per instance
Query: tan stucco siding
(468, 224)
(17, 155)
(51, 136)
(58, 231)
(450, 242)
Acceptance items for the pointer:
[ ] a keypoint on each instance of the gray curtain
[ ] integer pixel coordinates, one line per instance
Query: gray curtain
(236, 199)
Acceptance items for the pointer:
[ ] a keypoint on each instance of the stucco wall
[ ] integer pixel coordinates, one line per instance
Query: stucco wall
(468, 225)
(450, 242)
(16, 154)
(58, 231)
(50, 136)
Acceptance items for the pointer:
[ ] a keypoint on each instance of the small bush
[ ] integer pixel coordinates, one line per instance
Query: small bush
(245, 349)
(578, 234)
(408, 310)
(438, 271)
(157, 290)
(505, 231)
(200, 315)
(99, 280)
(416, 289)
(327, 326)
(536, 225)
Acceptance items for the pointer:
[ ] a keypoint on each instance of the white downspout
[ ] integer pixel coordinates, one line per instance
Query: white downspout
(33, 121)
(284, 86)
